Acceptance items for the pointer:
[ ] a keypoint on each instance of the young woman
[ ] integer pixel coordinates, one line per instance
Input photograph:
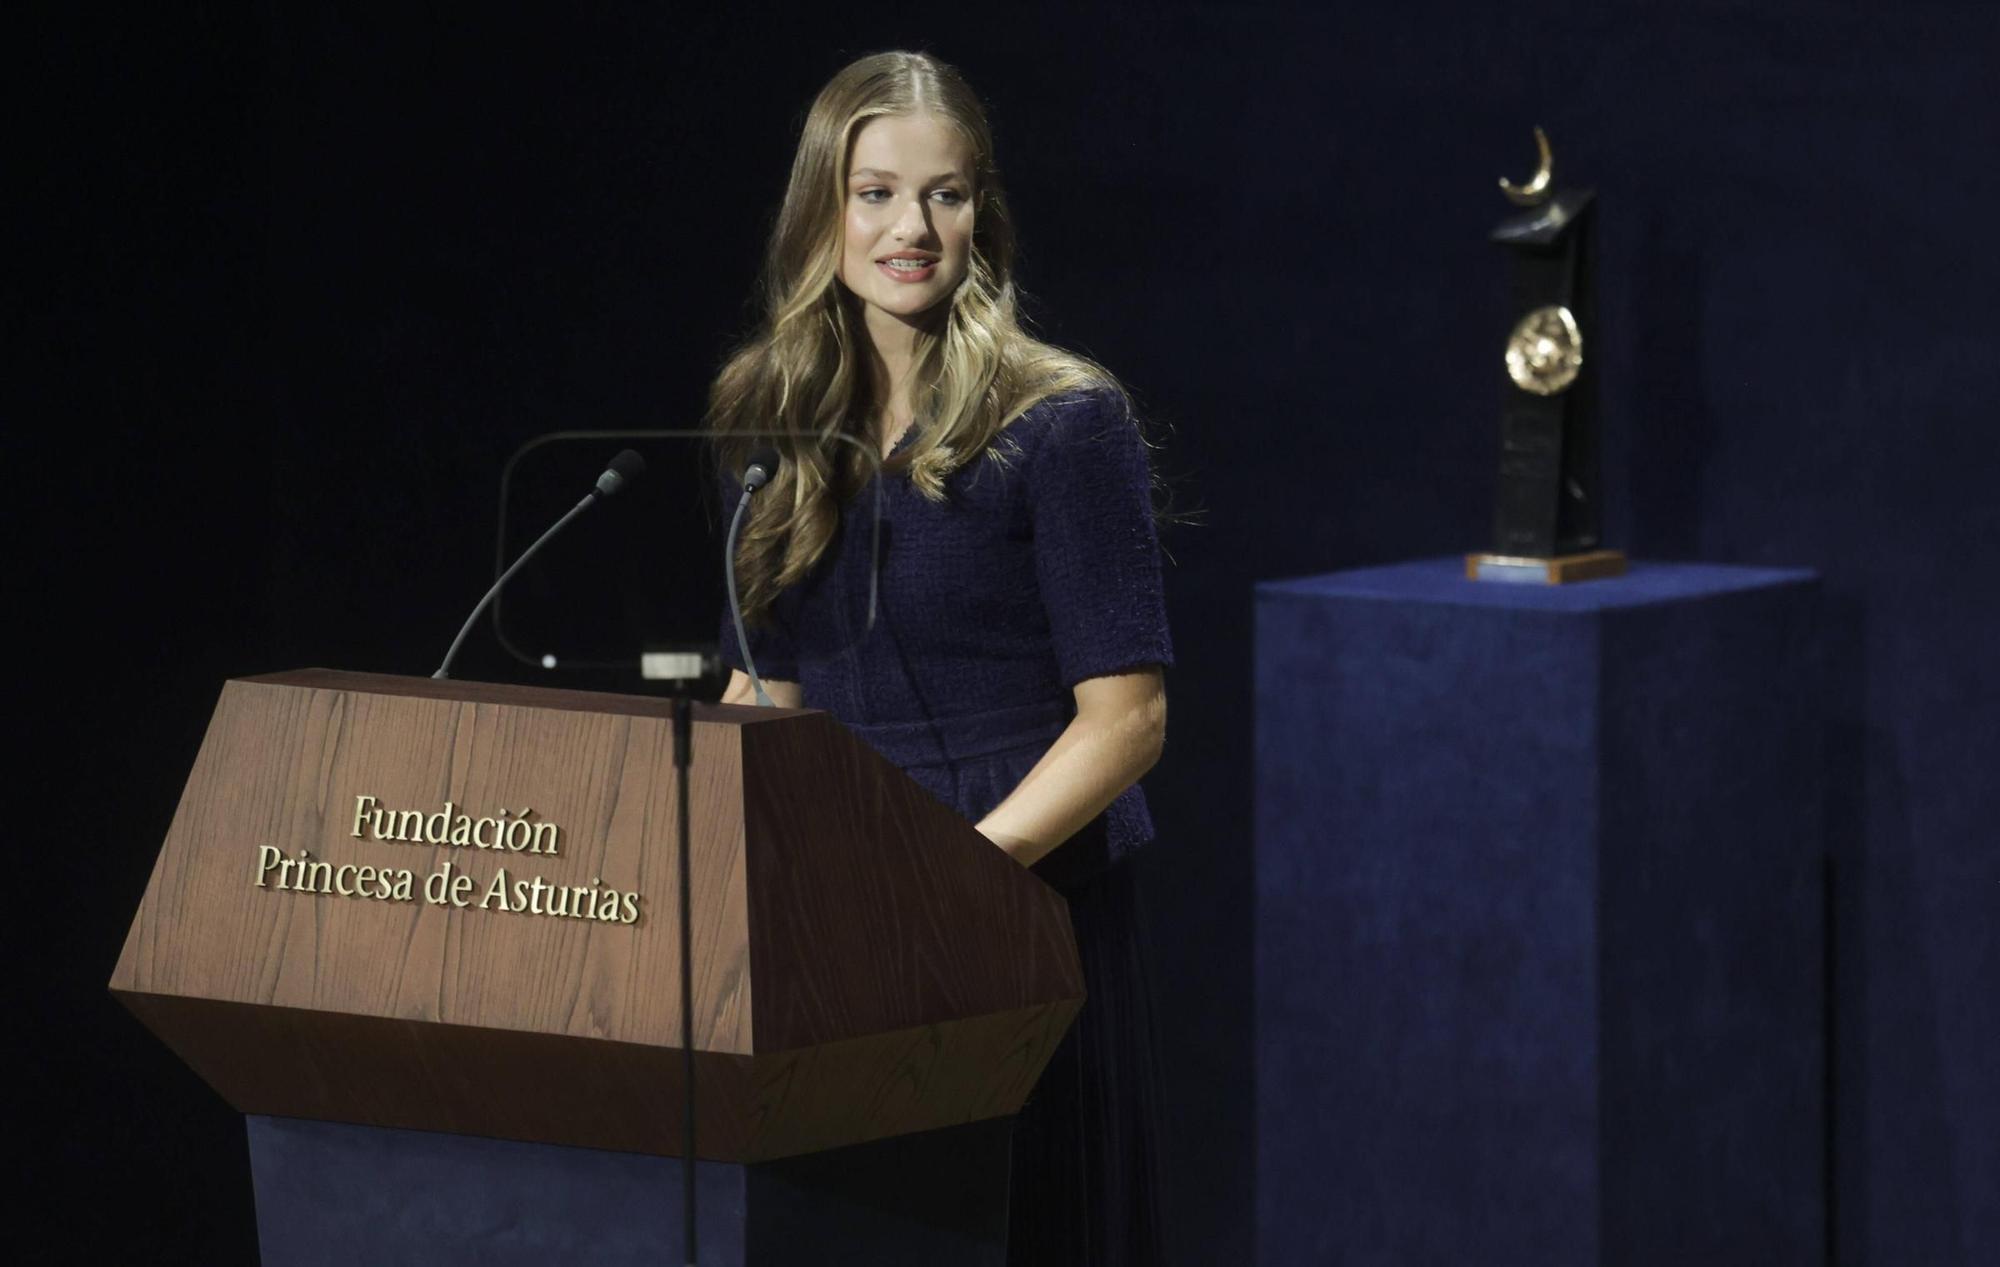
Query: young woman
(1015, 666)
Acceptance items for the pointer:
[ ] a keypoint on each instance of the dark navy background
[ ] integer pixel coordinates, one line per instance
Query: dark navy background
(298, 279)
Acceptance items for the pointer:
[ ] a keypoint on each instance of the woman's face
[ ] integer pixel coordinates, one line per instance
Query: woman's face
(906, 231)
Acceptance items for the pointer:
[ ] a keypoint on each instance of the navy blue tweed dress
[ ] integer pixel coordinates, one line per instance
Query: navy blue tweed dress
(1041, 568)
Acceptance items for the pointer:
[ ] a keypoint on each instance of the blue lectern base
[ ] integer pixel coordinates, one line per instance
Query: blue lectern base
(342, 1195)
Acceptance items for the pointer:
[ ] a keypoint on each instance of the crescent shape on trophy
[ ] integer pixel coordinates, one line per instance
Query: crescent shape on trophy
(1536, 191)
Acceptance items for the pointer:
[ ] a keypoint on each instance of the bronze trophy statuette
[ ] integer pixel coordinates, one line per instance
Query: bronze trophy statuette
(1547, 513)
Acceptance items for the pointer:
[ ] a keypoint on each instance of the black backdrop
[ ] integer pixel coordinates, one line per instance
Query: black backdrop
(298, 279)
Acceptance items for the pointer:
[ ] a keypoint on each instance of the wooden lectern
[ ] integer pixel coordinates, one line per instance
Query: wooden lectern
(444, 915)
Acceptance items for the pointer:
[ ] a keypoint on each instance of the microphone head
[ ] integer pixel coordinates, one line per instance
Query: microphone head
(762, 466)
(623, 469)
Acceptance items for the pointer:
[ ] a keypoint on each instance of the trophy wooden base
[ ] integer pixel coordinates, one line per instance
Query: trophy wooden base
(1560, 570)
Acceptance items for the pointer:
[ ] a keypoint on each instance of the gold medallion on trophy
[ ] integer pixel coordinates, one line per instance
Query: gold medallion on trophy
(1545, 351)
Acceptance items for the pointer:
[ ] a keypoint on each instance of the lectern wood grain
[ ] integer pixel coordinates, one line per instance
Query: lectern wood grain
(865, 963)
(909, 918)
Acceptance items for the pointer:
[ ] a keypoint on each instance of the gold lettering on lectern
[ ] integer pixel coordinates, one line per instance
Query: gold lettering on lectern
(448, 884)
(302, 875)
(574, 901)
(452, 826)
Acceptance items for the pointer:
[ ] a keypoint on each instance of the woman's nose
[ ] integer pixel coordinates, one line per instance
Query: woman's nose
(914, 223)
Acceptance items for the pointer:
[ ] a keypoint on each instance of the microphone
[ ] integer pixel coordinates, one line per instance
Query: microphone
(757, 472)
(763, 465)
(619, 472)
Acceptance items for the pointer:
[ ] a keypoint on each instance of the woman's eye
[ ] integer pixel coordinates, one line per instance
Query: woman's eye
(873, 195)
(949, 197)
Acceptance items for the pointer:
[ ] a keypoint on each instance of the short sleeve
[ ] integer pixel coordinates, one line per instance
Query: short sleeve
(770, 638)
(770, 645)
(1097, 552)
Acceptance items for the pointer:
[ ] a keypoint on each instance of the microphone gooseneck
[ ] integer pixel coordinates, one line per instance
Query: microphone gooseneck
(619, 472)
(763, 465)
(757, 473)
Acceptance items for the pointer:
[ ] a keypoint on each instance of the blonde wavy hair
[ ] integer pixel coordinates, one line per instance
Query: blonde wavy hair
(805, 373)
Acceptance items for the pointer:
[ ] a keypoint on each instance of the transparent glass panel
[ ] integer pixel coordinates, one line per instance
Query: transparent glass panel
(640, 574)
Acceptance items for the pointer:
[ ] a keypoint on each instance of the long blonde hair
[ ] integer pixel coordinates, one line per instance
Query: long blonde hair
(805, 373)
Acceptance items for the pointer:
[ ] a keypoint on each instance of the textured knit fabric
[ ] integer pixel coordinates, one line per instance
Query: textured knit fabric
(1039, 569)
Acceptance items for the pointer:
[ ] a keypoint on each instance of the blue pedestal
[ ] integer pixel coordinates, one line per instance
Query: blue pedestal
(334, 1195)
(1538, 920)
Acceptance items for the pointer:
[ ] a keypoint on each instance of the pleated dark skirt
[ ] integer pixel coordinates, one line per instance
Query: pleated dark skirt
(1086, 1188)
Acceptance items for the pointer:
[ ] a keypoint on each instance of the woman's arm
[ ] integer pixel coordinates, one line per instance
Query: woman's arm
(1117, 734)
(783, 694)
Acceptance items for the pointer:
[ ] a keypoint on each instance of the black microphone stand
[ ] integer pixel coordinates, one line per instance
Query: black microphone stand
(621, 470)
(762, 464)
(683, 714)
(683, 762)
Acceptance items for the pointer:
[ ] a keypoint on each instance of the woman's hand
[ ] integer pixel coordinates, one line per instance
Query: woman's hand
(1117, 734)
(783, 694)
